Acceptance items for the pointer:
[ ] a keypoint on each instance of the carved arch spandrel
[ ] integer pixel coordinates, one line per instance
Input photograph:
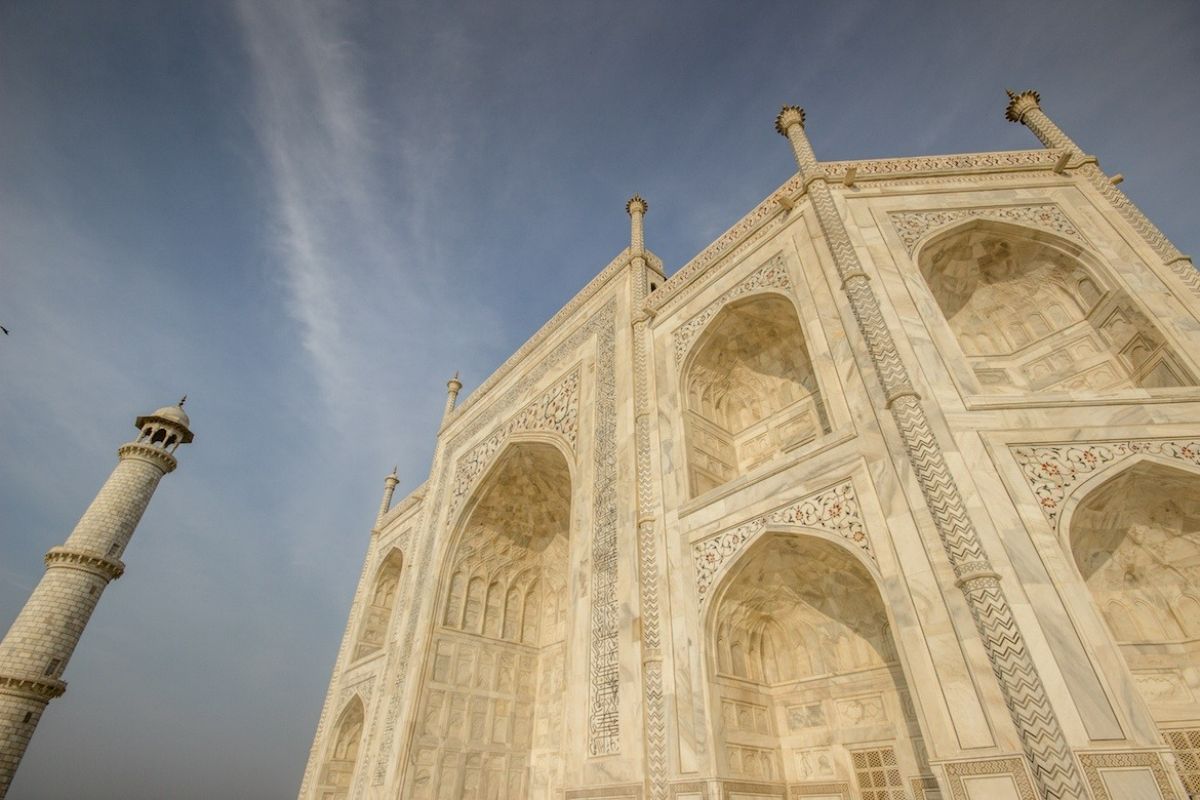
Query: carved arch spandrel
(555, 412)
(1056, 472)
(832, 512)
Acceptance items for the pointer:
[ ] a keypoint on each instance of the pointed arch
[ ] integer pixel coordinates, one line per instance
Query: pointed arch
(1034, 312)
(492, 694)
(749, 390)
(379, 604)
(797, 629)
(338, 770)
(1133, 533)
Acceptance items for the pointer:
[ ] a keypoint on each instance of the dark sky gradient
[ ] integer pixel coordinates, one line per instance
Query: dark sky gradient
(307, 215)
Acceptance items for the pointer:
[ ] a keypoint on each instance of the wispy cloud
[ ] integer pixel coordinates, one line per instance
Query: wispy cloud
(315, 134)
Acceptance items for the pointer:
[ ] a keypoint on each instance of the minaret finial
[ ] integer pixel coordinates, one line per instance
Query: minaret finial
(1020, 103)
(182, 400)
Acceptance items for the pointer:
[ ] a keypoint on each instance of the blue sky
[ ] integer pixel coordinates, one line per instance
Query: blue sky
(307, 215)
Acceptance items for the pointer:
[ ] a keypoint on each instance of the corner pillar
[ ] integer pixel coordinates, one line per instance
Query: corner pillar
(1041, 735)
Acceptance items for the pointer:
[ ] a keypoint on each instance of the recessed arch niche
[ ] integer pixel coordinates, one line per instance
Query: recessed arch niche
(1136, 541)
(338, 770)
(750, 392)
(489, 721)
(1030, 314)
(380, 602)
(804, 675)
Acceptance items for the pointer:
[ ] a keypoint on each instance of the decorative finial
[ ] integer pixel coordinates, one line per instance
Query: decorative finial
(395, 469)
(789, 116)
(1020, 103)
(636, 203)
(182, 400)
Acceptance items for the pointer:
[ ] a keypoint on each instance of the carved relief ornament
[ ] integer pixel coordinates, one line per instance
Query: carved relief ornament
(912, 226)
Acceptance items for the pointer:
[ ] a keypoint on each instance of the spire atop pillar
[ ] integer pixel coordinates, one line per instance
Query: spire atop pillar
(789, 122)
(385, 505)
(1026, 107)
(636, 209)
(453, 387)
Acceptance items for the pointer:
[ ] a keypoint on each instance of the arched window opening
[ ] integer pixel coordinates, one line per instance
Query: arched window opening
(380, 604)
(338, 769)
(804, 672)
(158, 436)
(1136, 542)
(490, 718)
(750, 392)
(1031, 317)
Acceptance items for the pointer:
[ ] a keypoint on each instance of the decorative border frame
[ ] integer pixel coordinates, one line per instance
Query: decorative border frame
(1093, 763)
(956, 771)
(814, 789)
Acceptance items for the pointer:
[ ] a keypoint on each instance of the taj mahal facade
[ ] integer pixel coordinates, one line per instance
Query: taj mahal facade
(892, 492)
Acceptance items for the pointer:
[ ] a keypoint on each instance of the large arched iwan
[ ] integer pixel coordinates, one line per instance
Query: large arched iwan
(804, 675)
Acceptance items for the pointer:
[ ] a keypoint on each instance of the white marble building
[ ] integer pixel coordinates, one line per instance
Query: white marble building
(893, 491)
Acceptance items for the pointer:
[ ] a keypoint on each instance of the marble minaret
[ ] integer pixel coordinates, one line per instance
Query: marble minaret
(35, 652)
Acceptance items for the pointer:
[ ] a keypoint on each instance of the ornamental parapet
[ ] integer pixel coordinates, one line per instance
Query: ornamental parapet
(107, 568)
(32, 688)
(148, 452)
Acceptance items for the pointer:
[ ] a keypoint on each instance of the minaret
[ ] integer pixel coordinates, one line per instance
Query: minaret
(35, 652)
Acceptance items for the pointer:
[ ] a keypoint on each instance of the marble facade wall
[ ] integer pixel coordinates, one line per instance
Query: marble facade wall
(1041, 460)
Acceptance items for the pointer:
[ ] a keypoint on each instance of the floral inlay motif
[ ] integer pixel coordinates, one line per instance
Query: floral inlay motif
(834, 510)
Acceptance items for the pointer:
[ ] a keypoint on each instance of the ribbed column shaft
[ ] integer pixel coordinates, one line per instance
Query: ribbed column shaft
(42, 639)
(1041, 734)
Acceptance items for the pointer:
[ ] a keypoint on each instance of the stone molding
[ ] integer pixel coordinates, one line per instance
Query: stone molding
(1054, 470)
(772, 275)
(913, 226)
(144, 452)
(834, 510)
(33, 688)
(107, 568)
(1093, 763)
(956, 771)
